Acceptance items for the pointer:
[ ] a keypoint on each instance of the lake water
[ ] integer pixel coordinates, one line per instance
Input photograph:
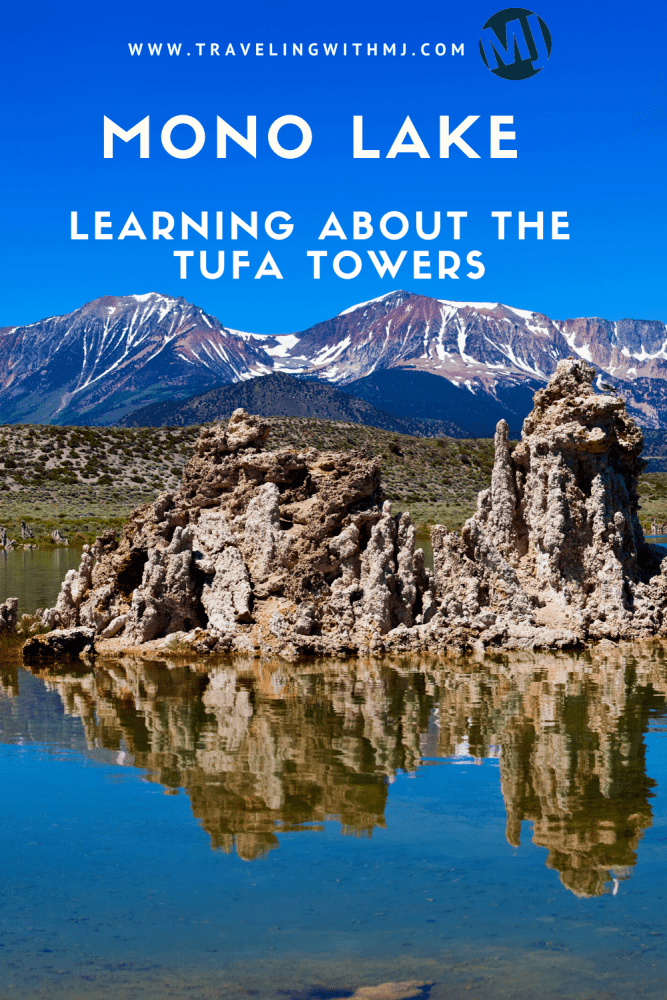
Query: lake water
(472, 827)
(35, 575)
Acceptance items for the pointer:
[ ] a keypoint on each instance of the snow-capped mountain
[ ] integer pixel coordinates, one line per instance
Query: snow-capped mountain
(466, 342)
(116, 354)
(493, 350)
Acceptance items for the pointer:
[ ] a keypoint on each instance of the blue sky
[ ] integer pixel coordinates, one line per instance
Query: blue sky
(590, 140)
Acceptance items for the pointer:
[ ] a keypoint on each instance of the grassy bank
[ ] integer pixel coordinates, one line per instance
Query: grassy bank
(653, 494)
(84, 479)
(81, 480)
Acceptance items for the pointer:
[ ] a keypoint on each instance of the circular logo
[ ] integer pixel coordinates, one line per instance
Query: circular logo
(515, 43)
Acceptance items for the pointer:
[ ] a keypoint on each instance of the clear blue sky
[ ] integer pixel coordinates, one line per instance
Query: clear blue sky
(590, 139)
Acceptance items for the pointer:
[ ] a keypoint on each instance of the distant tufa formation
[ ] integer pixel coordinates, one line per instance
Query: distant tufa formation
(293, 552)
(9, 615)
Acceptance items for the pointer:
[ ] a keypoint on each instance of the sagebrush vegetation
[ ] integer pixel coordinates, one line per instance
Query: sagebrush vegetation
(84, 479)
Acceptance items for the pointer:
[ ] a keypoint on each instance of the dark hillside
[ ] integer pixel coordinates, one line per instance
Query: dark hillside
(282, 395)
(407, 392)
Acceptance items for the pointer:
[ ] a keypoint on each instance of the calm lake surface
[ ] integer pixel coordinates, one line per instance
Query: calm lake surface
(470, 828)
(35, 575)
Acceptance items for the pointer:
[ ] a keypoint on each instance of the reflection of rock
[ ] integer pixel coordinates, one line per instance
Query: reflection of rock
(569, 734)
(9, 679)
(259, 750)
(582, 783)
(262, 748)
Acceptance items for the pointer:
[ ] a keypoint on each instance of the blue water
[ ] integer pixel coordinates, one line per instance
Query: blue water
(272, 830)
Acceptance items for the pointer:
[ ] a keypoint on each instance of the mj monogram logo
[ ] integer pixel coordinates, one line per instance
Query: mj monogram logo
(515, 44)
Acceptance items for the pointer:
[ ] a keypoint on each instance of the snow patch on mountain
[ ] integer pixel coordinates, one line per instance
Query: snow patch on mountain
(472, 305)
(286, 341)
(645, 355)
(523, 313)
(583, 351)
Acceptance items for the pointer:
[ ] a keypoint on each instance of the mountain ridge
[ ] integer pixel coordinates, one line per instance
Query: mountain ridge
(118, 354)
(113, 354)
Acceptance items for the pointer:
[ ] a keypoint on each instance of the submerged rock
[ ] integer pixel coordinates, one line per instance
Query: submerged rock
(294, 552)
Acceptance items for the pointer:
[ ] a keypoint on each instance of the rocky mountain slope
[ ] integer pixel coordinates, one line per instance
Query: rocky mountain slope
(470, 343)
(655, 450)
(117, 354)
(114, 355)
(499, 353)
(280, 394)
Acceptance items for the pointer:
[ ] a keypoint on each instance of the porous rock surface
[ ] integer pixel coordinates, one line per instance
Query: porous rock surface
(294, 552)
(272, 551)
(58, 645)
(9, 614)
(555, 550)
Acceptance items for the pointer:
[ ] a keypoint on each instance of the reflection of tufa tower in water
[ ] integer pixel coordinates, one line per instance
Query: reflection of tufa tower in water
(572, 755)
(263, 748)
(581, 781)
(259, 749)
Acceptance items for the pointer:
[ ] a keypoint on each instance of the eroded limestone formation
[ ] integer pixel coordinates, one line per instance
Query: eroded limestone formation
(9, 614)
(287, 550)
(60, 644)
(294, 552)
(556, 540)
